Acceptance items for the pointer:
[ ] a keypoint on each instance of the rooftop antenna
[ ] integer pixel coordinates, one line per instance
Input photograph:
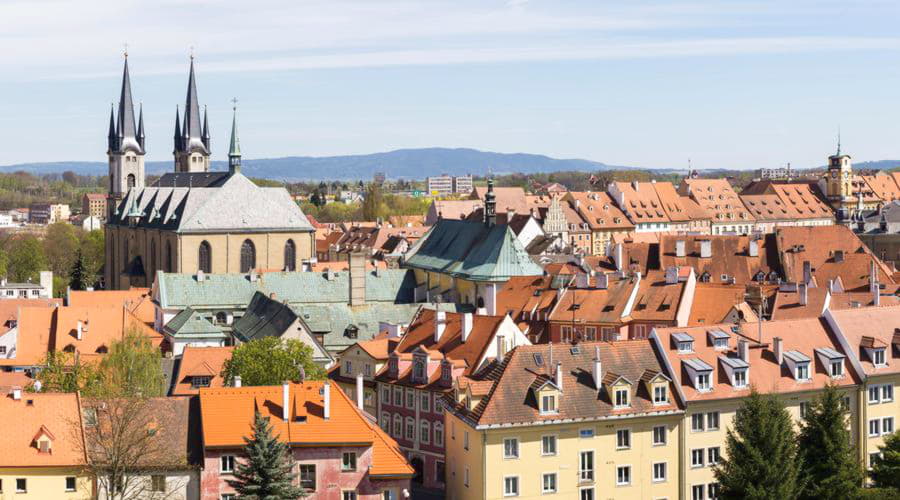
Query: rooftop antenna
(839, 141)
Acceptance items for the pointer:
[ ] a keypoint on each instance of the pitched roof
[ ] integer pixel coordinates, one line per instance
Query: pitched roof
(455, 209)
(657, 300)
(787, 302)
(599, 210)
(641, 202)
(200, 361)
(35, 331)
(718, 198)
(713, 301)
(594, 305)
(137, 300)
(472, 250)
(880, 324)
(264, 317)
(730, 256)
(58, 413)
(228, 416)
(508, 198)
(101, 326)
(512, 400)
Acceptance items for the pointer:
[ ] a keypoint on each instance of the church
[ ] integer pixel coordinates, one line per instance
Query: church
(192, 219)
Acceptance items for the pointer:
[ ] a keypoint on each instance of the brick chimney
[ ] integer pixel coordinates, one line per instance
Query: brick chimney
(357, 263)
(680, 248)
(779, 350)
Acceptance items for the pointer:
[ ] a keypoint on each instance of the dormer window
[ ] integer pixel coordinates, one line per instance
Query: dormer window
(703, 382)
(198, 381)
(660, 395)
(878, 358)
(799, 365)
(836, 369)
(701, 374)
(622, 398)
(719, 339)
(832, 360)
(684, 343)
(740, 378)
(548, 403)
(419, 370)
(737, 370)
(802, 371)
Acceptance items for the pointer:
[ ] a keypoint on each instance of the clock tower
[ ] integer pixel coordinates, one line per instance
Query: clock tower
(840, 172)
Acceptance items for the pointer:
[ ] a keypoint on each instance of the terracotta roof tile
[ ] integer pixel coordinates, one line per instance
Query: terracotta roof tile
(882, 325)
(59, 413)
(200, 361)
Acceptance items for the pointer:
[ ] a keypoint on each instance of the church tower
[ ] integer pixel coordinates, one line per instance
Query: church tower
(234, 149)
(839, 184)
(191, 137)
(125, 146)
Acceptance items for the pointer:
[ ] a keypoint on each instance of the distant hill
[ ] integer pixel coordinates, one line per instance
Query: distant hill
(402, 163)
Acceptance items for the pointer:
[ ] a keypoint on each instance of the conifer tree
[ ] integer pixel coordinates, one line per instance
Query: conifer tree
(78, 278)
(761, 459)
(885, 471)
(831, 469)
(266, 474)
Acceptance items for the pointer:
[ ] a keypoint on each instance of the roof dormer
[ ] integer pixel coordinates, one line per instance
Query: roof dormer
(43, 440)
(718, 338)
(700, 374)
(683, 342)
(657, 385)
(876, 350)
(798, 363)
(619, 389)
(547, 394)
(738, 371)
(832, 360)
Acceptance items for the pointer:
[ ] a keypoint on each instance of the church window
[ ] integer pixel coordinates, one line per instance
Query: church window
(290, 256)
(169, 267)
(130, 181)
(248, 256)
(205, 257)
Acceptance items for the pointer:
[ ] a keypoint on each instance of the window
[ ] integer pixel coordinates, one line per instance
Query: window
(685, 347)
(623, 475)
(425, 402)
(21, 485)
(697, 422)
(248, 256)
(348, 367)
(874, 394)
(419, 370)
(511, 486)
(703, 382)
(837, 369)
(659, 472)
(308, 477)
(398, 396)
(586, 466)
(348, 461)
(881, 393)
(157, 482)
(697, 457)
(466, 476)
(874, 427)
(388, 495)
(226, 464)
(348, 495)
(510, 448)
(548, 403)
(548, 445)
(660, 395)
(712, 421)
(548, 483)
(70, 484)
(398, 426)
(410, 428)
(425, 432)
(623, 439)
(438, 434)
(887, 393)
(586, 433)
(586, 494)
(712, 455)
(566, 333)
(410, 399)
(290, 256)
(740, 378)
(698, 492)
(439, 471)
(659, 435)
(713, 489)
(873, 458)
(204, 257)
(466, 440)
(621, 398)
(200, 381)
(887, 425)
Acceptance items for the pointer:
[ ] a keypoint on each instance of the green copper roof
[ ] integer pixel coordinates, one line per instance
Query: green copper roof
(472, 250)
(235, 148)
(191, 323)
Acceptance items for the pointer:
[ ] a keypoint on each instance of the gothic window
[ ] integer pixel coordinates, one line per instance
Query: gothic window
(290, 256)
(169, 267)
(205, 257)
(248, 256)
(130, 181)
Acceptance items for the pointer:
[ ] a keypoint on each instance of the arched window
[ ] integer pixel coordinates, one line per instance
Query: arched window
(169, 267)
(248, 256)
(398, 426)
(205, 257)
(130, 181)
(290, 256)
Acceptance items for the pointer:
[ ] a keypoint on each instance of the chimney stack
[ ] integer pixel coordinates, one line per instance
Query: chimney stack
(620, 265)
(467, 320)
(598, 369)
(17, 394)
(326, 396)
(680, 248)
(440, 323)
(876, 295)
(807, 272)
(635, 185)
(779, 350)
(559, 381)
(873, 277)
(357, 263)
(285, 400)
(79, 330)
(359, 390)
(743, 350)
(754, 248)
(602, 281)
(705, 249)
(671, 275)
(501, 346)
(804, 293)
(237, 380)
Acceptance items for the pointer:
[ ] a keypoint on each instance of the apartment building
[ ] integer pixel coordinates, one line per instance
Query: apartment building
(602, 216)
(584, 421)
(356, 366)
(48, 213)
(718, 198)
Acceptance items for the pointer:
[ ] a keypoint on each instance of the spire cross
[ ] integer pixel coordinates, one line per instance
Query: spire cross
(192, 52)
(126, 50)
(234, 102)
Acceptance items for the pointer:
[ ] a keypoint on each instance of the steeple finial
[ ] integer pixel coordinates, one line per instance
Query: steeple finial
(839, 141)
(234, 149)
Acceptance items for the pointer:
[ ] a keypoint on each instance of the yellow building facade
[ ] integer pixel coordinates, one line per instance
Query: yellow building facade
(44, 483)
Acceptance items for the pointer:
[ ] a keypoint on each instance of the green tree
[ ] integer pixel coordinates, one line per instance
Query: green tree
(266, 473)
(60, 245)
(271, 361)
(78, 279)
(93, 251)
(761, 460)
(831, 469)
(63, 372)
(373, 204)
(885, 471)
(26, 259)
(131, 368)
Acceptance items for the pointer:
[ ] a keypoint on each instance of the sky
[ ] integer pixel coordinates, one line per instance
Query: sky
(727, 84)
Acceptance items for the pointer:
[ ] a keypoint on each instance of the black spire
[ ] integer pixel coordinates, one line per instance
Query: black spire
(140, 130)
(490, 205)
(205, 136)
(177, 129)
(111, 138)
(234, 149)
(126, 134)
(192, 129)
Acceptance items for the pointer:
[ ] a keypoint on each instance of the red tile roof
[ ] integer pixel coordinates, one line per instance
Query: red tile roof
(59, 414)
(200, 361)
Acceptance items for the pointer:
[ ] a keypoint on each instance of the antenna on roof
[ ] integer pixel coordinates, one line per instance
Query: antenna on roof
(839, 141)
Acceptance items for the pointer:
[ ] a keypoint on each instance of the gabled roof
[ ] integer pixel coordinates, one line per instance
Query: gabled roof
(56, 413)
(599, 210)
(880, 324)
(264, 317)
(136, 300)
(508, 198)
(717, 198)
(200, 361)
(189, 322)
(472, 250)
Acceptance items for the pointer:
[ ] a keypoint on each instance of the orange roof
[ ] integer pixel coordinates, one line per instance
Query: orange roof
(227, 416)
(58, 413)
(207, 361)
(713, 301)
(671, 202)
(9, 380)
(35, 330)
(599, 210)
(877, 324)
(787, 303)
(803, 335)
(657, 300)
(101, 326)
(594, 305)
(509, 199)
(137, 300)
(717, 197)
(9, 309)
(379, 348)
(642, 204)
(884, 186)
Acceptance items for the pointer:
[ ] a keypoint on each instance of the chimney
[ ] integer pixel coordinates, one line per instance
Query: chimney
(200, 276)
(743, 350)
(620, 265)
(839, 256)
(440, 322)
(285, 400)
(79, 330)
(779, 350)
(876, 296)
(831, 286)
(467, 320)
(705, 249)
(359, 390)
(804, 293)
(598, 369)
(357, 262)
(602, 281)
(807, 272)
(501, 346)
(17, 394)
(873, 277)
(253, 276)
(754, 248)
(635, 185)
(672, 275)
(559, 381)
(680, 248)
(237, 380)
(326, 400)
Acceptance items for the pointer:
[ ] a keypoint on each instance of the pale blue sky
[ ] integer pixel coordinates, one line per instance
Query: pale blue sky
(737, 84)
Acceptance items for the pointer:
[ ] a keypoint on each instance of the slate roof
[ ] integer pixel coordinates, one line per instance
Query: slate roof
(178, 291)
(236, 205)
(264, 317)
(472, 250)
(192, 179)
(333, 320)
(189, 323)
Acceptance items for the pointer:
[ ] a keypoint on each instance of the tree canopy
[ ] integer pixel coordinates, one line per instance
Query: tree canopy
(271, 361)
(885, 471)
